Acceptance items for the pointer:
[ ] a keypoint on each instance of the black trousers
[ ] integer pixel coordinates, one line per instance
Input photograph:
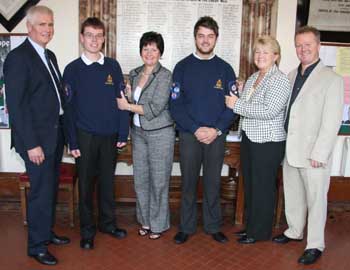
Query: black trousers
(193, 154)
(97, 161)
(41, 207)
(260, 163)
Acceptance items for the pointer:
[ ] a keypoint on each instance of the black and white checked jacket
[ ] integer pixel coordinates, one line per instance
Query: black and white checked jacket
(262, 116)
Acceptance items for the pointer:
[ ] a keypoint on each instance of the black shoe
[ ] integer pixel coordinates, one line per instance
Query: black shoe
(59, 240)
(310, 256)
(241, 233)
(282, 239)
(117, 233)
(246, 240)
(219, 237)
(87, 243)
(180, 238)
(45, 258)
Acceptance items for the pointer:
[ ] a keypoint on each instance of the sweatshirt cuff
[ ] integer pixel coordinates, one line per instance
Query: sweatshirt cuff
(122, 137)
(194, 128)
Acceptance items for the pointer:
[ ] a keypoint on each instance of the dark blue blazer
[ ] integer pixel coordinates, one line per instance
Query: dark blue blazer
(31, 99)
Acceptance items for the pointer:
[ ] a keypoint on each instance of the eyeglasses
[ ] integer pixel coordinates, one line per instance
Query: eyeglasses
(92, 36)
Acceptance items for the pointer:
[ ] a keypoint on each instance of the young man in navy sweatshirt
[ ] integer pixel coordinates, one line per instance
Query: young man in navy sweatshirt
(197, 104)
(96, 127)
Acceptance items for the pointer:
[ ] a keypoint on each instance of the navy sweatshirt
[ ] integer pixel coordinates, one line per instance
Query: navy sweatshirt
(198, 94)
(91, 94)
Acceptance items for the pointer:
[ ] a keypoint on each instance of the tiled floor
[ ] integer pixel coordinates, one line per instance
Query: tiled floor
(199, 253)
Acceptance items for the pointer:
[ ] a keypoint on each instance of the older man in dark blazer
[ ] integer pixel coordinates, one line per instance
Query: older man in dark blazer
(35, 100)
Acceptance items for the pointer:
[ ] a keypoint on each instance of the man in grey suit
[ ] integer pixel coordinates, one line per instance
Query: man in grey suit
(313, 118)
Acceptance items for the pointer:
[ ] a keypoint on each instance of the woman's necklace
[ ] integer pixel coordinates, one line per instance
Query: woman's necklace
(145, 73)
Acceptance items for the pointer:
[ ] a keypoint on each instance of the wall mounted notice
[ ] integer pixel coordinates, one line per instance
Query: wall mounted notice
(330, 15)
(175, 19)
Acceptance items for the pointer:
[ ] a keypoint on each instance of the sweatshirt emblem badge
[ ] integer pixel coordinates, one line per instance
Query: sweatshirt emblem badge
(175, 90)
(109, 80)
(218, 85)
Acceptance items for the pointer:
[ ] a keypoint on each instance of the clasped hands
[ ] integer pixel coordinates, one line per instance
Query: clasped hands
(206, 135)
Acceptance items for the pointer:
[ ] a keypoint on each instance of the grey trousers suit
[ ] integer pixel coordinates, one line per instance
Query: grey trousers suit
(153, 149)
(153, 153)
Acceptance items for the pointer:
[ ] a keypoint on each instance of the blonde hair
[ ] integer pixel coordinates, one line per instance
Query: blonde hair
(34, 10)
(270, 42)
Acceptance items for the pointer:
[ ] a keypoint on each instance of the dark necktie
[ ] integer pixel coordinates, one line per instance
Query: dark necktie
(54, 75)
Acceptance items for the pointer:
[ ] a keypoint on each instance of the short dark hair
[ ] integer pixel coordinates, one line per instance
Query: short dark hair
(94, 23)
(308, 29)
(152, 37)
(207, 22)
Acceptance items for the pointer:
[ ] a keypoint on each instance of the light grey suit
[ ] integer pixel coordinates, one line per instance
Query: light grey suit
(153, 149)
(315, 118)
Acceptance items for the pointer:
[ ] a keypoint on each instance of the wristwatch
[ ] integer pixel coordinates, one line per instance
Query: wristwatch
(218, 132)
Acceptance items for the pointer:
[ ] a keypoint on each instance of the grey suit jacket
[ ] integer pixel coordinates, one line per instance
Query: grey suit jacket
(315, 117)
(154, 97)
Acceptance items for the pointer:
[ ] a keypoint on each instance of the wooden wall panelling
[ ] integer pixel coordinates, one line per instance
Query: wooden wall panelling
(106, 11)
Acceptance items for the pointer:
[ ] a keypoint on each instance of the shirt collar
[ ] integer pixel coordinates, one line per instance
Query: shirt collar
(88, 62)
(200, 58)
(309, 69)
(38, 48)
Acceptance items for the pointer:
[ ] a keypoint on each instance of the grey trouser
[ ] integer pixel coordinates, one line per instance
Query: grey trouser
(192, 155)
(153, 153)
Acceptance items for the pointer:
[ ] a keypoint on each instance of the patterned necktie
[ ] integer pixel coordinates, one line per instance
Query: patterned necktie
(54, 75)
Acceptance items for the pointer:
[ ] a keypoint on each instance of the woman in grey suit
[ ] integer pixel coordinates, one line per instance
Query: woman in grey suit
(262, 108)
(153, 136)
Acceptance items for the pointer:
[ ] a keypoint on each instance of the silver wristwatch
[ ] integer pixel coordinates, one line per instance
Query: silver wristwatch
(218, 132)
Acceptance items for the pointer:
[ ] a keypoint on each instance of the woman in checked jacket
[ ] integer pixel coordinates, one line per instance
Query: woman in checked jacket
(262, 107)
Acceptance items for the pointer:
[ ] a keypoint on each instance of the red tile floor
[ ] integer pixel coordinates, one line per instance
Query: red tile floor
(199, 253)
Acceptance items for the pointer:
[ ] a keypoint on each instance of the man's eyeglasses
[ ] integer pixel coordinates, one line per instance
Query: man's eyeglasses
(92, 36)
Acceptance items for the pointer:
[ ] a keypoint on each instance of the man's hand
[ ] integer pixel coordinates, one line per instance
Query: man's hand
(36, 155)
(200, 133)
(206, 135)
(316, 164)
(75, 153)
(120, 144)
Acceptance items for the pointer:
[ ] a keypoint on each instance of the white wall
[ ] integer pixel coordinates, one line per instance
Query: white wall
(66, 46)
(285, 33)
